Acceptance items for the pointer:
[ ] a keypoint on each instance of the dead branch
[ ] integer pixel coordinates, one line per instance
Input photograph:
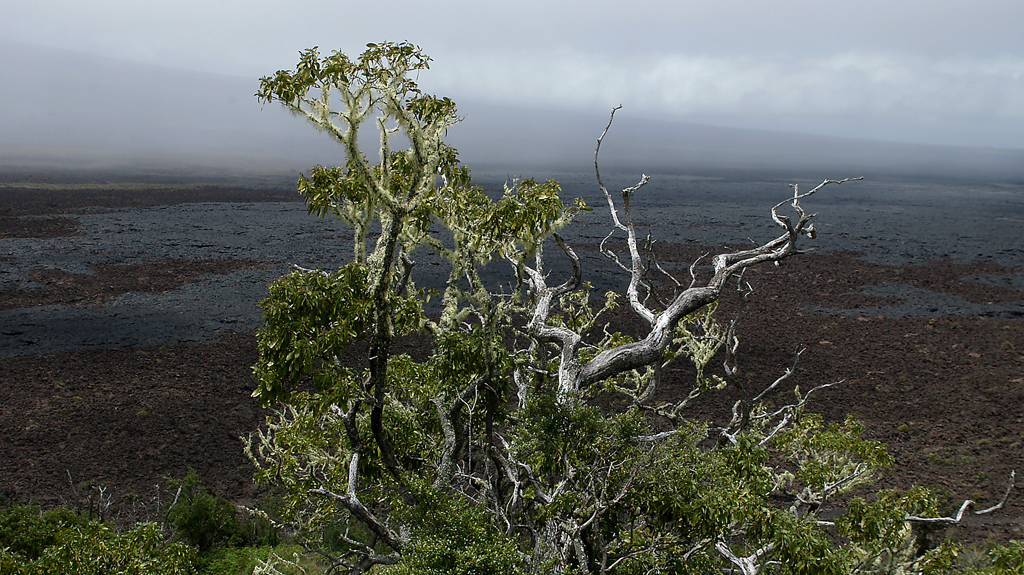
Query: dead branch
(747, 565)
(953, 519)
(648, 350)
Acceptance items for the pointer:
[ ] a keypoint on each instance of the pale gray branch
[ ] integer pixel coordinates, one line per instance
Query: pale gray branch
(963, 508)
(748, 565)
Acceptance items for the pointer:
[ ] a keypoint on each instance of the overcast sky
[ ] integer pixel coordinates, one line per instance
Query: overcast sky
(947, 72)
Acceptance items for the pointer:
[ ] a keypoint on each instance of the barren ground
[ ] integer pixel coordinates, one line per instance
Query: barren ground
(946, 393)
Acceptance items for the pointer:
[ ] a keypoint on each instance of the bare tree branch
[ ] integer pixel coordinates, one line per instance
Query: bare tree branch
(748, 565)
(952, 519)
(646, 351)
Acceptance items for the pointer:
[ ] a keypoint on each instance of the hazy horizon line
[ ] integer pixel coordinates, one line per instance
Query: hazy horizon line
(126, 116)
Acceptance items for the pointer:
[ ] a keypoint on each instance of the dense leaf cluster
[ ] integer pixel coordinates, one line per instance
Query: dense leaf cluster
(61, 542)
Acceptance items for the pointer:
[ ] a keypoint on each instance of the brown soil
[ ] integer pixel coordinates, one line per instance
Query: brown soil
(946, 395)
(38, 227)
(128, 419)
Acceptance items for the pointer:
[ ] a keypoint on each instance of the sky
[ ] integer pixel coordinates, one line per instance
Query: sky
(939, 72)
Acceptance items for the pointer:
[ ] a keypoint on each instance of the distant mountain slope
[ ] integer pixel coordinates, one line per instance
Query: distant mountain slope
(546, 137)
(86, 109)
(69, 109)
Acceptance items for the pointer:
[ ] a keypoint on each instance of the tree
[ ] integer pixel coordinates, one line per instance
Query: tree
(489, 454)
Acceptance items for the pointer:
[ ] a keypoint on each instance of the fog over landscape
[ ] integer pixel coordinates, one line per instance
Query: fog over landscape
(918, 87)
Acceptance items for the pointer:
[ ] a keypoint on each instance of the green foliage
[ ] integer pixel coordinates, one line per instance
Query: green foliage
(1008, 558)
(695, 493)
(880, 536)
(802, 548)
(26, 530)
(940, 560)
(205, 520)
(453, 537)
(59, 542)
(385, 64)
(461, 356)
(311, 317)
(833, 459)
(245, 560)
(950, 557)
(551, 432)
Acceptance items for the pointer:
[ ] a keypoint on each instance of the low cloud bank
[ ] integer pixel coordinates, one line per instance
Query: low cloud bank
(74, 111)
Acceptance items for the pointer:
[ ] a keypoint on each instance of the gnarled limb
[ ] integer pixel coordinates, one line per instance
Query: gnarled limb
(952, 519)
(568, 340)
(648, 350)
(451, 427)
(748, 565)
(636, 270)
(350, 499)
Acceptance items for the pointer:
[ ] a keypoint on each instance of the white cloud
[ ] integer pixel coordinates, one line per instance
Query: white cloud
(685, 84)
(871, 68)
(906, 93)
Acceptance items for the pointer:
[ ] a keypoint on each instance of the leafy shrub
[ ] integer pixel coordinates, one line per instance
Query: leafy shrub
(61, 542)
(455, 538)
(27, 531)
(244, 560)
(1009, 558)
(207, 520)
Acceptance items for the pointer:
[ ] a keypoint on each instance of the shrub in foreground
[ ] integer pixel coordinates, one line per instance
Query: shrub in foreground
(60, 542)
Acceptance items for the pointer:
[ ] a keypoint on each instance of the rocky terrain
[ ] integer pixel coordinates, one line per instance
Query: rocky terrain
(127, 319)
